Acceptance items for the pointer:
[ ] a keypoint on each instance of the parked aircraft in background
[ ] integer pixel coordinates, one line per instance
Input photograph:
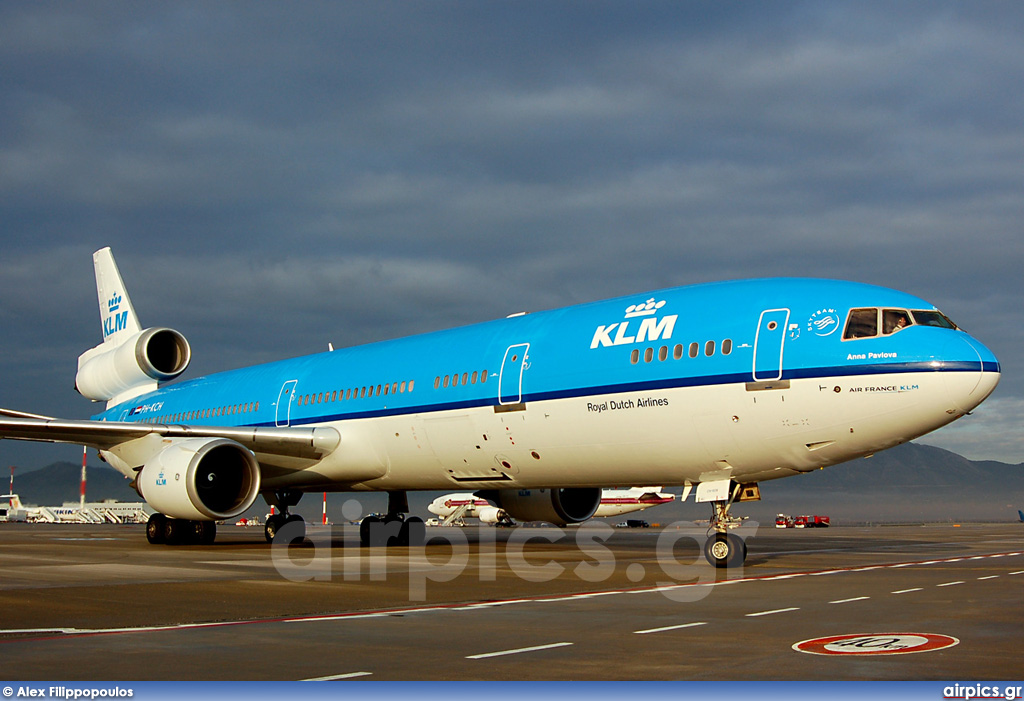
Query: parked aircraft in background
(715, 387)
(614, 502)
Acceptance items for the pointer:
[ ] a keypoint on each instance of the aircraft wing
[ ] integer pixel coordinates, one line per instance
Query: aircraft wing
(286, 442)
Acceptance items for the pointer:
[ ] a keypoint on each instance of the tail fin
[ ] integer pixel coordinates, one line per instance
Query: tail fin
(117, 315)
(1021, 514)
(16, 502)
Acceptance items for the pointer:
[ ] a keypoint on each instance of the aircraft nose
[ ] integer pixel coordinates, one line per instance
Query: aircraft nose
(970, 387)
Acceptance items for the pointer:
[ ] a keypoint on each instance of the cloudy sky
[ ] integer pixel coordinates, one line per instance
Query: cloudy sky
(276, 176)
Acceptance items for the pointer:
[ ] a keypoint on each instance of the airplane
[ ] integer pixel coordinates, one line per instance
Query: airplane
(614, 502)
(1021, 514)
(714, 387)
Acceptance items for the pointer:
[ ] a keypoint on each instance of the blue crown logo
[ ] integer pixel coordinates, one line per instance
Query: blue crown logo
(648, 308)
(114, 303)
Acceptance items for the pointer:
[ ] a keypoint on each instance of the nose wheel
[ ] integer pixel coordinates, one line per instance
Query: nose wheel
(723, 548)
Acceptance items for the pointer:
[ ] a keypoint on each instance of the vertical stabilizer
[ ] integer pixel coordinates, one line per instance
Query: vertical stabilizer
(117, 315)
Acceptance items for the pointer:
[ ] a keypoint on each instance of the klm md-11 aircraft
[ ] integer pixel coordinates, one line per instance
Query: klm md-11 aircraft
(712, 387)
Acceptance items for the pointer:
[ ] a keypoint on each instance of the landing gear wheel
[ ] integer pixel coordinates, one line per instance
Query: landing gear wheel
(413, 533)
(296, 528)
(155, 528)
(202, 532)
(725, 550)
(366, 527)
(273, 525)
(176, 531)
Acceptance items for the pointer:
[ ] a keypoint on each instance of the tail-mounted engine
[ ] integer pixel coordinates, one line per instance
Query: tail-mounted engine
(136, 365)
(558, 506)
(201, 479)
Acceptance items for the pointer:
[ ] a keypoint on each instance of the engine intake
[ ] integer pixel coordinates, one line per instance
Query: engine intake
(151, 356)
(201, 479)
(558, 506)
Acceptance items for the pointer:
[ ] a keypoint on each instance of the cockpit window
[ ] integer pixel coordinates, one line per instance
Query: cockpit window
(933, 318)
(895, 319)
(862, 323)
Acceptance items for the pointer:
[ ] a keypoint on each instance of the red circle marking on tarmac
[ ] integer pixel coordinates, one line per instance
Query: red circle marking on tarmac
(876, 644)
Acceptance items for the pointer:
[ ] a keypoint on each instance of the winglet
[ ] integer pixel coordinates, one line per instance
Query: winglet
(117, 315)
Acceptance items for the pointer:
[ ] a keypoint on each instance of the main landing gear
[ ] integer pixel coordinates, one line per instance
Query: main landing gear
(286, 524)
(177, 531)
(393, 528)
(722, 548)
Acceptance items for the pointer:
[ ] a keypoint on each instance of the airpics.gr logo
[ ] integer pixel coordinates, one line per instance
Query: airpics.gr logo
(651, 328)
(115, 320)
(823, 322)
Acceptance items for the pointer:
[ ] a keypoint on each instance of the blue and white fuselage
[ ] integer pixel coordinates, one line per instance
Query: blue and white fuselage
(750, 380)
(714, 386)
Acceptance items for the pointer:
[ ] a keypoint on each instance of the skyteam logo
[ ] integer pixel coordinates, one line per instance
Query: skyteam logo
(649, 328)
(116, 320)
(823, 322)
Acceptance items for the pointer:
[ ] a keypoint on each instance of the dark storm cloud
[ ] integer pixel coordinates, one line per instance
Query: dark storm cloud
(275, 177)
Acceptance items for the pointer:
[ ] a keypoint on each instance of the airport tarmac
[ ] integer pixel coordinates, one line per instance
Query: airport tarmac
(83, 602)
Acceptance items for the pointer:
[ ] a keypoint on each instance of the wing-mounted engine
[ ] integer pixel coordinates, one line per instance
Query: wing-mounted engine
(491, 515)
(201, 479)
(134, 366)
(558, 506)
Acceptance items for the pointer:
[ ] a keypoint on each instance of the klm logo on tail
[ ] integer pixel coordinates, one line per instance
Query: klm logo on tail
(115, 320)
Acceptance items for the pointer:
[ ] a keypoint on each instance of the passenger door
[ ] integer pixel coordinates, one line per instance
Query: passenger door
(769, 344)
(510, 382)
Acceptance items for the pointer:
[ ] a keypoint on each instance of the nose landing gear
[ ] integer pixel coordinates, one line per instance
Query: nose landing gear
(722, 548)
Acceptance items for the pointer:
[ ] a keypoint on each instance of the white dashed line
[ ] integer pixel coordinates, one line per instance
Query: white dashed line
(1013, 573)
(769, 613)
(846, 601)
(991, 576)
(661, 630)
(335, 677)
(907, 591)
(516, 651)
(949, 584)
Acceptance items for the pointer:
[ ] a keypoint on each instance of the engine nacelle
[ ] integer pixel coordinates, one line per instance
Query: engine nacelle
(201, 479)
(151, 356)
(491, 514)
(558, 506)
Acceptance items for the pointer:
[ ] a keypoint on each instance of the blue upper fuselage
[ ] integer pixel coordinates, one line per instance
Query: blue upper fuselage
(720, 333)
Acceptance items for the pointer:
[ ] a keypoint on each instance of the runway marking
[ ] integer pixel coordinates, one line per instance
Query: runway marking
(846, 601)
(991, 576)
(784, 576)
(23, 634)
(664, 628)
(907, 591)
(1013, 573)
(335, 677)
(773, 611)
(500, 653)
(949, 584)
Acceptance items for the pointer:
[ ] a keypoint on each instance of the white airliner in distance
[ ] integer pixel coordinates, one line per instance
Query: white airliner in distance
(715, 387)
(614, 502)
